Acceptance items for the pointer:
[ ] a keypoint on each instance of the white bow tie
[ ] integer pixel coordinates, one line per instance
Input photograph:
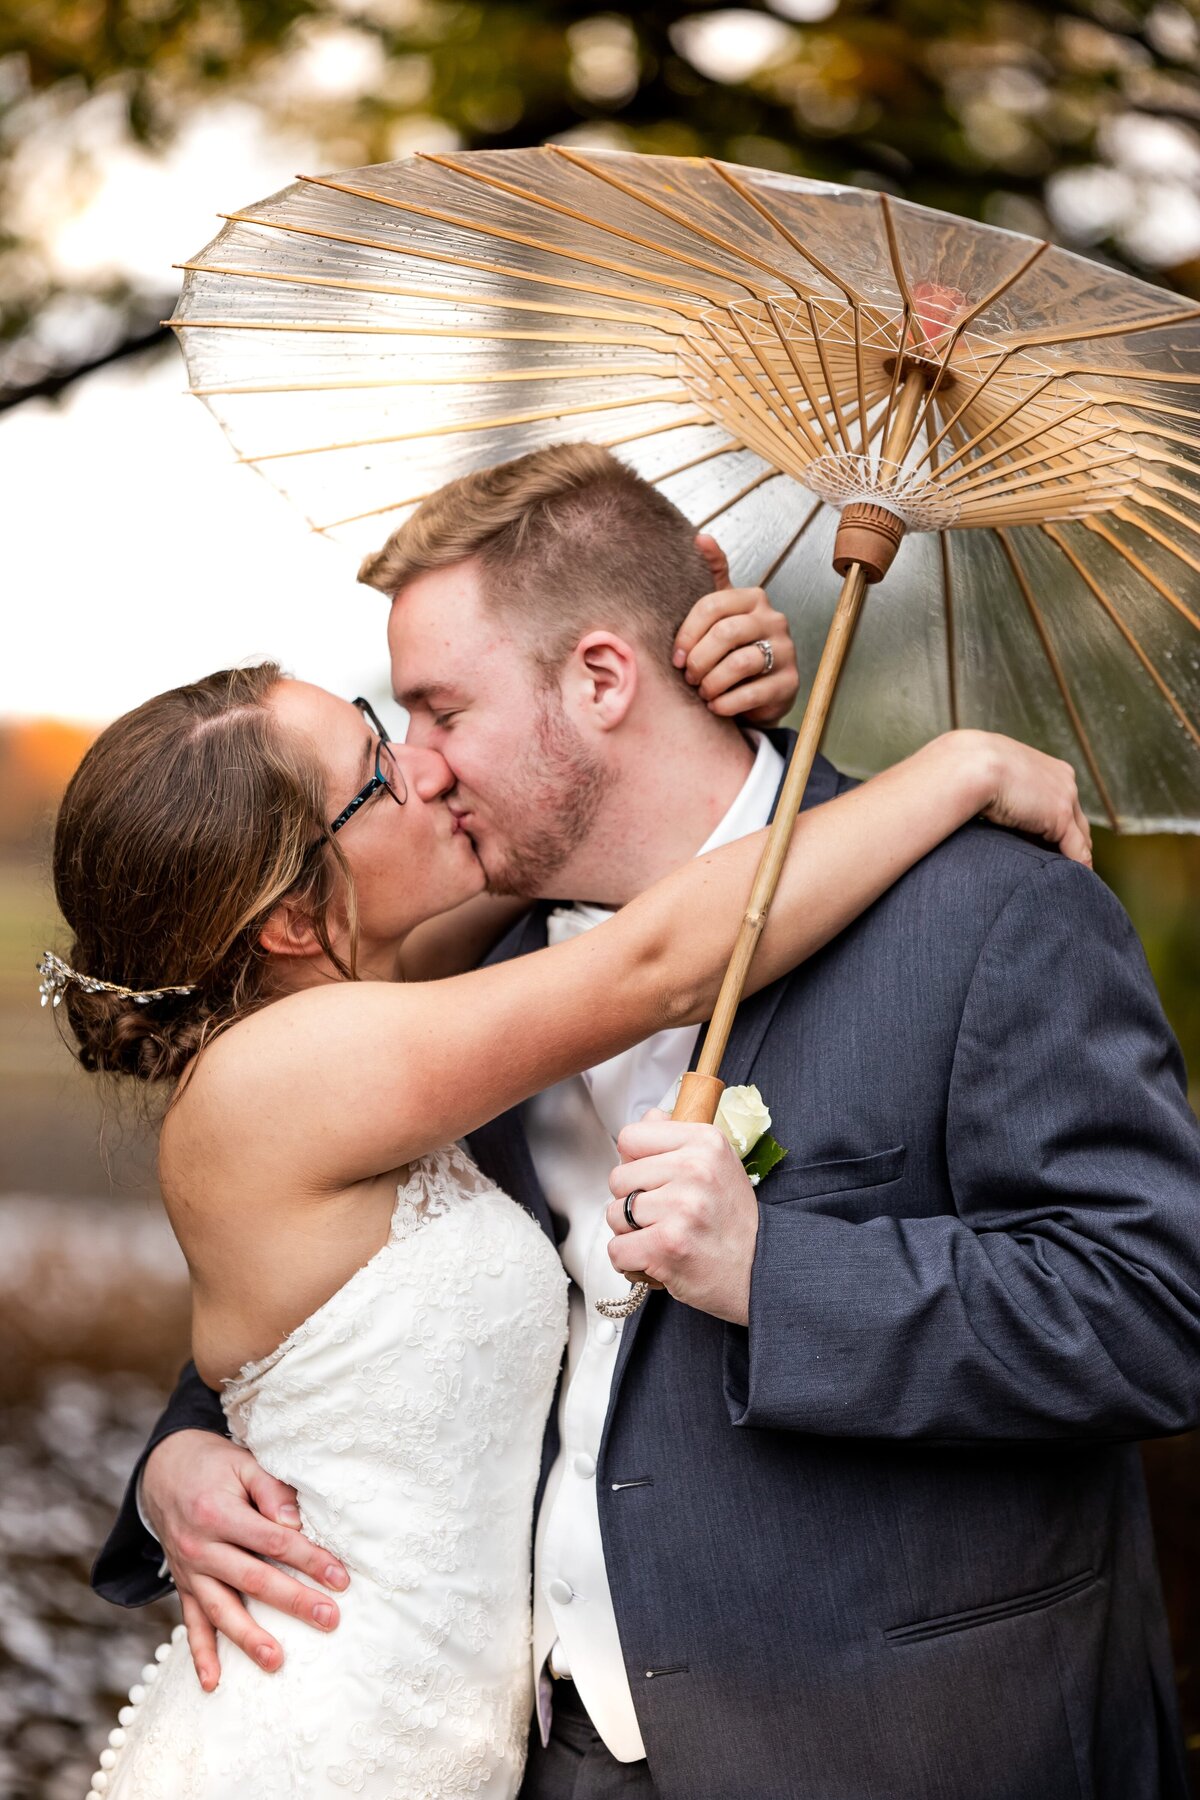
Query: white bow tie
(627, 1085)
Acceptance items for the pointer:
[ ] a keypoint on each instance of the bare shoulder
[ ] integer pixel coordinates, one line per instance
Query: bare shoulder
(280, 1089)
(295, 1034)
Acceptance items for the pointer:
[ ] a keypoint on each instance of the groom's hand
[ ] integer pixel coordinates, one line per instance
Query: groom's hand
(696, 1213)
(217, 1515)
(718, 648)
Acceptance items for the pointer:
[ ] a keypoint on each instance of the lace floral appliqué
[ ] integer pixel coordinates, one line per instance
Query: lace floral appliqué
(408, 1413)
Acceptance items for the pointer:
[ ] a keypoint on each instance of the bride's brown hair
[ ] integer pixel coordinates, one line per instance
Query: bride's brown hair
(187, 822)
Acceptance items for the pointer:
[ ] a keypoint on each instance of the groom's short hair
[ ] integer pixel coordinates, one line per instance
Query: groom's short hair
(569, 539)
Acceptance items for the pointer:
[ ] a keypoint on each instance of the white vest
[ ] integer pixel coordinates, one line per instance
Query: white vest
(572, 1130)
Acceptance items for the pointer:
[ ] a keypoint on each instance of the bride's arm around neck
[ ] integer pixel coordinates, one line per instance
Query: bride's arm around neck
(332, 1086)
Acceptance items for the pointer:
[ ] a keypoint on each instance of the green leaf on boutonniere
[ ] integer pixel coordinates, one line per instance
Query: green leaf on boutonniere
(763, 1158)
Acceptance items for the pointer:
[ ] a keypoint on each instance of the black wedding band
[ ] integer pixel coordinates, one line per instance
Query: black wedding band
(627, 1209)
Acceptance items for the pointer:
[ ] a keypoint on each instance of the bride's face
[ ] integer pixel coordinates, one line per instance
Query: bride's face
(411, 861)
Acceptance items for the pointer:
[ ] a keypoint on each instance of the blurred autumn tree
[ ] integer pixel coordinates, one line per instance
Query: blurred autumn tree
(1077, 121)
(37, 759)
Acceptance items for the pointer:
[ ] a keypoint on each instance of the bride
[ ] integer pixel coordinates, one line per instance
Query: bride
(256, 879)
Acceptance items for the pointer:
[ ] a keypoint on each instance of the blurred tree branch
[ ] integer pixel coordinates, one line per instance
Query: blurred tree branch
(50, 386)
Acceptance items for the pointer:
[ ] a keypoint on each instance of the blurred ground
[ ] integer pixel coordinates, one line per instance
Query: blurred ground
(67, 1660)
(93, 1326)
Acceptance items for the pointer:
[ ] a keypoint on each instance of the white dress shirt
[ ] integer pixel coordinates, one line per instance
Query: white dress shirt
(572, 1130)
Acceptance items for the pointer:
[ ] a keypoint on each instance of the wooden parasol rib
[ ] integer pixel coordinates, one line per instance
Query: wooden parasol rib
(1097, 592)
(547, 246)
(531, 417)
(446, 258)
(1060, 680)
(442, 296)
(724, 449)
(948, 616)
(1144, 570)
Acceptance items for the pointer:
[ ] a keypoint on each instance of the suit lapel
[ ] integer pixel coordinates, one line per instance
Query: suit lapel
(754, 1015)
(500, 1147)
(750, 1025)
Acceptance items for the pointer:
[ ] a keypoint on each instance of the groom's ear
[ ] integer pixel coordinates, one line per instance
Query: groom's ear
(602, 680)
(289, 932)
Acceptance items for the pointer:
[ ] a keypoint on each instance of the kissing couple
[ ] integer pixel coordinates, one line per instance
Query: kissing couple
(853, 1510)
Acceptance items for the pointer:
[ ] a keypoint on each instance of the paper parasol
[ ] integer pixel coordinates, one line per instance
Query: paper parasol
(819, 375)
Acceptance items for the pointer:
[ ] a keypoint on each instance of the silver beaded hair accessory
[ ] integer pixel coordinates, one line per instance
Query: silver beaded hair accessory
(56, 974)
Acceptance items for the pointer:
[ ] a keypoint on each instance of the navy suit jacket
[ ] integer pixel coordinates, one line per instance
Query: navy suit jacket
(891, 1542)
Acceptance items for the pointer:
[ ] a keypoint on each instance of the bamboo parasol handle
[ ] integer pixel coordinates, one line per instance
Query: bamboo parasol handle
(866, 543)
(775, 850)
(701, 1089)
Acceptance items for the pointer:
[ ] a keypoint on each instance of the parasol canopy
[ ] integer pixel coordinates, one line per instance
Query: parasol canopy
(784, 359)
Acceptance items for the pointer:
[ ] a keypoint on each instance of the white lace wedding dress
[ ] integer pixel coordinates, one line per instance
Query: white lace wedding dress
(408, 1413)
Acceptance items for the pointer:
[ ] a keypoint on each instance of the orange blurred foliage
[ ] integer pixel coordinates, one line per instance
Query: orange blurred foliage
(37, 759)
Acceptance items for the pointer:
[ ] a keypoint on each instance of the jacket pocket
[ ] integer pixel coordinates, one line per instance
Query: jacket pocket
(798, 1183)
(1012, 1608)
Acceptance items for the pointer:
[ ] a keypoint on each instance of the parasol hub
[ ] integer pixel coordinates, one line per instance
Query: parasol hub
(847, 479)
(931, 371)
(909, 409)
(870, 536)
(936, 310)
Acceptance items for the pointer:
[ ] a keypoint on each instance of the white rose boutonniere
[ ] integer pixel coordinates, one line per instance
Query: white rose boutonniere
(742, 1118)
(744, 1122)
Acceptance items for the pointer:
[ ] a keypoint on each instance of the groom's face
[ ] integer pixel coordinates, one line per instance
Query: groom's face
(527, 784)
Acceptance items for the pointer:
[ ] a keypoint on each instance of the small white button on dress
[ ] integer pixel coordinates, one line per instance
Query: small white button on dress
(585, 1466)
(561, 1592)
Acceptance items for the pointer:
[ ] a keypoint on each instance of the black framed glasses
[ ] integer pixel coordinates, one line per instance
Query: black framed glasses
(387, 770)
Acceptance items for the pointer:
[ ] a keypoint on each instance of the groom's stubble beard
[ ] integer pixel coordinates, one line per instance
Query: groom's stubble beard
(554, 793)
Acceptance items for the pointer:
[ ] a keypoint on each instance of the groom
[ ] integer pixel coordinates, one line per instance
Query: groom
(888, 1539)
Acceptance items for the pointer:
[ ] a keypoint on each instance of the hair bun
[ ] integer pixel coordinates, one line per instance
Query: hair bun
(152, 1041)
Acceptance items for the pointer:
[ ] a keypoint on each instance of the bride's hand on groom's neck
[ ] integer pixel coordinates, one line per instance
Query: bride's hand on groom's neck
(719, 648)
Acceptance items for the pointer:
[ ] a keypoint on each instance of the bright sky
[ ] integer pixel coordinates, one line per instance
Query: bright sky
(136, 554)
